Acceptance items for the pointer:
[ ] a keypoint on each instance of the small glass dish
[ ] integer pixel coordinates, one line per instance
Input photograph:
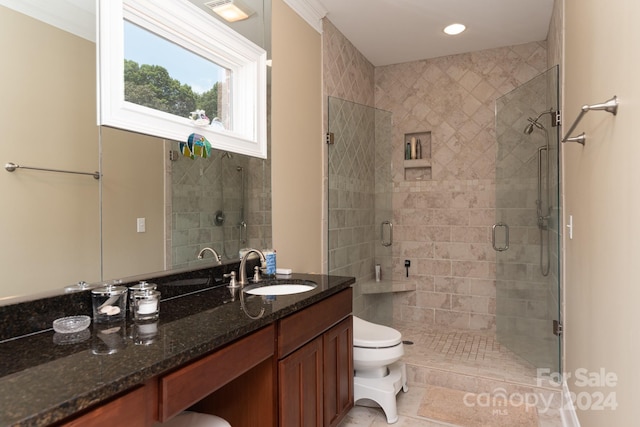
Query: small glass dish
(71, 324)
(72, 338)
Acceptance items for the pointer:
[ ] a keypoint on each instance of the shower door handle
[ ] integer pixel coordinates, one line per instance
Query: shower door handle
(390, 241)
(506, 236)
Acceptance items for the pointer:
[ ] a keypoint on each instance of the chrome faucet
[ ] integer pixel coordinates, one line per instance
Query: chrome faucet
(243, 274)
(213, 251)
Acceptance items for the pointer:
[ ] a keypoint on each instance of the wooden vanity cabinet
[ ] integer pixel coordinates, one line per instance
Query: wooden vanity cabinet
(245, 367)
(309, 382)
(315, 366)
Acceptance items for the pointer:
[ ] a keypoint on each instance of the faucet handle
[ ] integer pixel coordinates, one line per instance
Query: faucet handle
(256, 274)
(232, 282)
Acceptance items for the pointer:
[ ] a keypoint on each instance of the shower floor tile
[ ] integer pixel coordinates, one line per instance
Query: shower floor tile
(476, 353)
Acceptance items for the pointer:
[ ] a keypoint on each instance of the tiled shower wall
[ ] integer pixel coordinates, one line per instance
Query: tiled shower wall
(443, 225)
(347, 74)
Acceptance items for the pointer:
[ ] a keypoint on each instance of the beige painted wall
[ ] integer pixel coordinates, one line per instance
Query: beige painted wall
(296, 136)
(602, 328)
(49, 222)
(132, 187)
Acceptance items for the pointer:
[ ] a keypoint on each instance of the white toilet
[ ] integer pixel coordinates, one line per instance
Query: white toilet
(379, 375)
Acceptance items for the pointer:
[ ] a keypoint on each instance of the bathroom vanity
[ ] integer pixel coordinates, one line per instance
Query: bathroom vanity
(210, 352)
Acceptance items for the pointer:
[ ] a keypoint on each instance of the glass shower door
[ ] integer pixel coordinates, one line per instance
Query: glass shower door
(360, 222)
(527, 234)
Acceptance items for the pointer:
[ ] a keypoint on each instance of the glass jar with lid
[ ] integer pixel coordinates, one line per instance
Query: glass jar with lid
(146, 305)
(109, 303)
(140, 286)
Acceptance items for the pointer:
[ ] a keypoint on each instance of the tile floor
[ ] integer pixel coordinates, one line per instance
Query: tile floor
(466, 360)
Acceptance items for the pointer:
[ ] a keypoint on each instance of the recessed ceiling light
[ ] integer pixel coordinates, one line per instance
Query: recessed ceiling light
(454, 29)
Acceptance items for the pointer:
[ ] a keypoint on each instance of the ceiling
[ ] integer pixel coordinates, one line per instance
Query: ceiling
(75, 16)
(384, 31)
(395, 31)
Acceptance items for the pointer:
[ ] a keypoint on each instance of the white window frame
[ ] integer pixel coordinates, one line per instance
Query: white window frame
(190, 27)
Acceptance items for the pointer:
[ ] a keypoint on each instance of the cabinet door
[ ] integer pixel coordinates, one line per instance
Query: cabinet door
(338, 371)
(300, 393)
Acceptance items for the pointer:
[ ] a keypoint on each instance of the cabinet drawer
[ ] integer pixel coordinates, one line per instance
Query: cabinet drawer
(303, 326)
(131, 409)
(186, 386)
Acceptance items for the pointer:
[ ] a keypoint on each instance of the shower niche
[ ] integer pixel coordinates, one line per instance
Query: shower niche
(417, 156)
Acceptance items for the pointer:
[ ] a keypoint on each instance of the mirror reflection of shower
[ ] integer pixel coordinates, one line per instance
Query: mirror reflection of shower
(233, 194)
(543, 202)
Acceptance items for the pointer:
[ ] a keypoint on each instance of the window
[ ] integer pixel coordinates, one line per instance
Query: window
(168, 69)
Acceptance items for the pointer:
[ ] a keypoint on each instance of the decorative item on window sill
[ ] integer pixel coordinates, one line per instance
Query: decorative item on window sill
(199, 118)
(196, 145)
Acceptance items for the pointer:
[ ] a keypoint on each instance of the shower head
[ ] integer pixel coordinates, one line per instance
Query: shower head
(534, 122)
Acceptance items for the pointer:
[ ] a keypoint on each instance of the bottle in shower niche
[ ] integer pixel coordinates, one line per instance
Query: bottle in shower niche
(407, 151)
(413, 147)
(418, 149)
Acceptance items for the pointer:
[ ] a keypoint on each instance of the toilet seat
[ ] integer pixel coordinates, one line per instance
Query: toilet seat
(371, 335)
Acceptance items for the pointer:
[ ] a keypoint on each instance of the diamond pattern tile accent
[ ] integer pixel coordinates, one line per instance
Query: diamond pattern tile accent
(347, 73)
(459, 91)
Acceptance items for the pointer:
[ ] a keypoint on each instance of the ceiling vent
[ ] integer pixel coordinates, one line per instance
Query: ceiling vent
(230, 10)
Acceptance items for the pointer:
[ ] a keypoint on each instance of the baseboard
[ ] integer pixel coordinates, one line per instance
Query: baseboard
(568, 410)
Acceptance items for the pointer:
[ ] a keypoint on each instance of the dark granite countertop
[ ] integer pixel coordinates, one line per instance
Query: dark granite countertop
(46, 377)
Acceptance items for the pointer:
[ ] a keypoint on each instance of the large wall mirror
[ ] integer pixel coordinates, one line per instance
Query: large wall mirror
(59, 228)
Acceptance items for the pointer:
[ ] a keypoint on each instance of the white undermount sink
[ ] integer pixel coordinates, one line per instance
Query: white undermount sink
(282, 289)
